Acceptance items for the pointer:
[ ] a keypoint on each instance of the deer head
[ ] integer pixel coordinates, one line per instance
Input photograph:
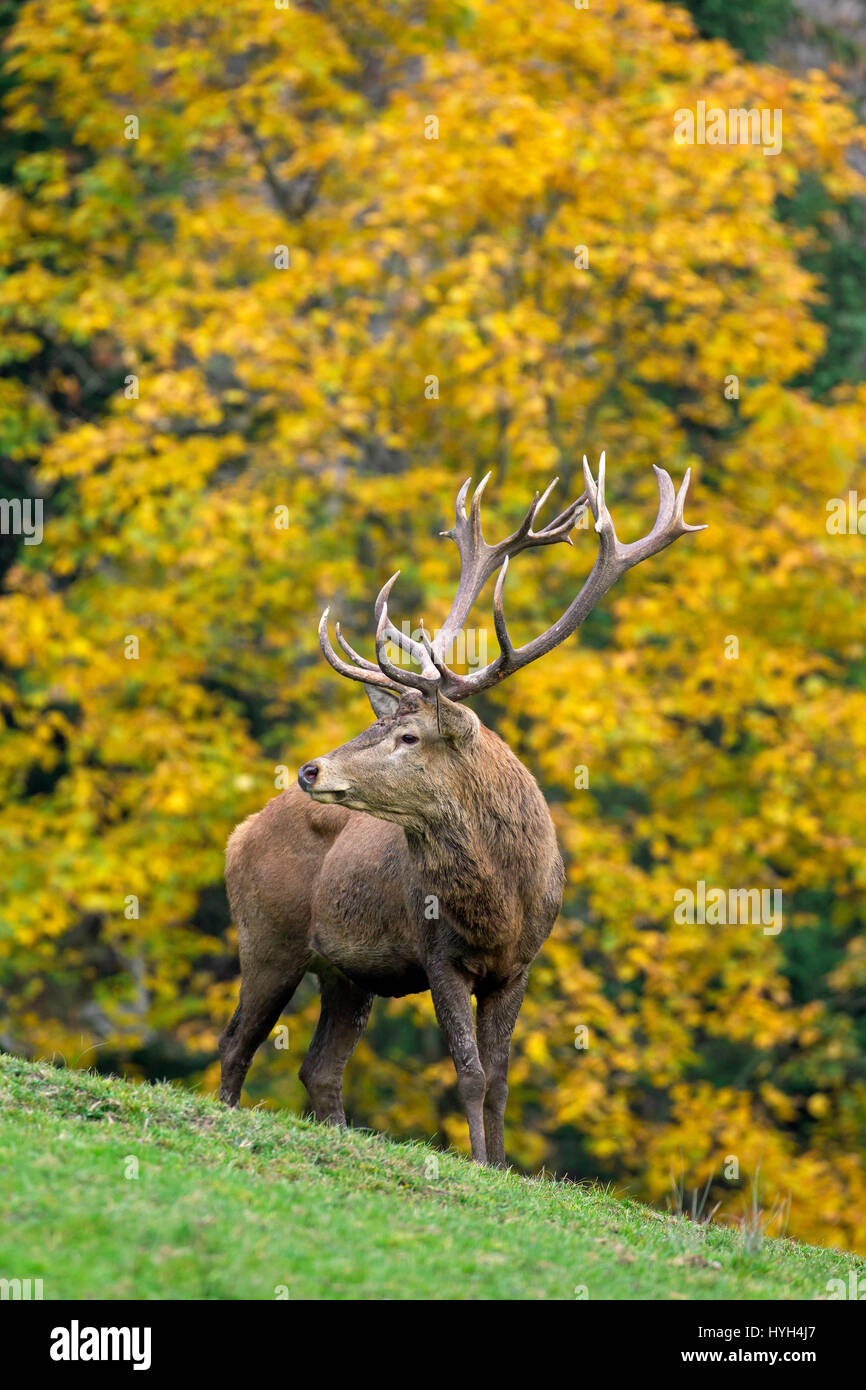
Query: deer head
(422, 732)
(405, 766)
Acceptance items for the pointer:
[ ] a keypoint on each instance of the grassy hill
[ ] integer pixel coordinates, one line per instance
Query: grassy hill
(244, 1204)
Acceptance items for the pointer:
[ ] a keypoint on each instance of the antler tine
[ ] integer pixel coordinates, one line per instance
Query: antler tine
(612, 561)
(556, 530)
(536, 508)
(525, 527)
(566, 519)
(434, 655)
(393, 634)
(475, 509)
(369, 674)
(350, 651)
(506, 647)
(561, 527)
(428, 681)
(459, 509)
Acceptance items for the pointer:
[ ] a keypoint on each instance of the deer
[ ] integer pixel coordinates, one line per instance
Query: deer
(420, 855)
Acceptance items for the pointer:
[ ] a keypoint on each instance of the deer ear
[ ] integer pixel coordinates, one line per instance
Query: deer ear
(454, 722)
(384, 701)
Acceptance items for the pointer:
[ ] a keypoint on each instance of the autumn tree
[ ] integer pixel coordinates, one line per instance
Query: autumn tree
(274, 282)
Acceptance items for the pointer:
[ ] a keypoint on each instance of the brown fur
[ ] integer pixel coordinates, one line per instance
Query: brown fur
(430, 865)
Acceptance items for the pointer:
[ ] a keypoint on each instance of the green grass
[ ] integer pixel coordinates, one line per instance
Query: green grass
(234, 1204)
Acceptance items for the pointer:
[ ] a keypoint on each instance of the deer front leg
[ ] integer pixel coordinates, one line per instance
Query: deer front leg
(497, 1015)
(452, 1000)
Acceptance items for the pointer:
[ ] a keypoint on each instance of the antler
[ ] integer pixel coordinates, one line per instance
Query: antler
(478, 561)
(386, 674)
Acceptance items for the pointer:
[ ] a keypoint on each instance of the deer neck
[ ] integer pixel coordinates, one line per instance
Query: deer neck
(473, 861)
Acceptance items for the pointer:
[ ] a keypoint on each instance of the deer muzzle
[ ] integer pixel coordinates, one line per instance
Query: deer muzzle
(313, 778)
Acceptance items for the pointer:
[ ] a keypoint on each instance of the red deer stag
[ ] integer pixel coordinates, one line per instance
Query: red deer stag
(421, 854)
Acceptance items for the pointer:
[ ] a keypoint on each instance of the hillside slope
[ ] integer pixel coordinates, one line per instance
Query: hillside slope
(111, 1189)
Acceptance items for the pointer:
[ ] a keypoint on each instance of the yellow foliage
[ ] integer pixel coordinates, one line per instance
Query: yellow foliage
(259, 387)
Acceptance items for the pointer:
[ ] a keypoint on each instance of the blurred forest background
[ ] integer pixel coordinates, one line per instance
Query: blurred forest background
(170, 378)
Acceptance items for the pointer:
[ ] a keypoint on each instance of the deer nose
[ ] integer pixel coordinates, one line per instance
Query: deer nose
(308, 774)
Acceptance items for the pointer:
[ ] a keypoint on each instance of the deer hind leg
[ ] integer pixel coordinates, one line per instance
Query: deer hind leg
(264, 995)
(345, 1011)
(452, 1000)
(497, 1015)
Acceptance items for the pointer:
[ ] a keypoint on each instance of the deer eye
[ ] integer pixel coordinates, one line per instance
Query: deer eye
(409, 738)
